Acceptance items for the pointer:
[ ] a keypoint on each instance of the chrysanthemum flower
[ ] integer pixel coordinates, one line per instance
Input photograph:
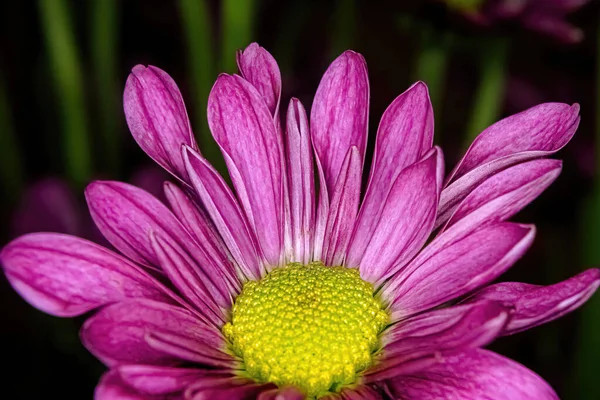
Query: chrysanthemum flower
(269, 292)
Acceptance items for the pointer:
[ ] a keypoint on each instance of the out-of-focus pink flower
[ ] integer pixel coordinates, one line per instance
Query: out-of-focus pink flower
(277, 293)
(545, 16)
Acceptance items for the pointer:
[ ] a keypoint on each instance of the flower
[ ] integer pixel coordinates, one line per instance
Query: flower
(269, 293)
(544, 16)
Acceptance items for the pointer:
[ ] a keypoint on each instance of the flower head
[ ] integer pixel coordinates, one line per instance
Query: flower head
(272, 292)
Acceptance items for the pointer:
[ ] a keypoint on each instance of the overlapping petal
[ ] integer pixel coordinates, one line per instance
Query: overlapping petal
(244, 129)
(339, 114)
(111, 387)
(259, 68)
(157, 117)
(226, 388)
(132, 332)
(67, 276)
(404, 224)
(534, 305)
(472, 374)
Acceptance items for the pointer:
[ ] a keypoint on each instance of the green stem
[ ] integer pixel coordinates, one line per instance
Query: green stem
(490, 92)
(430, 67)
(104, 18)
(201, 59)
(237, 25)
(11, 173)
(66, 70)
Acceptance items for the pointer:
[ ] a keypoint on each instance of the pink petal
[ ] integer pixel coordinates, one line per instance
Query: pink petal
(259, 68)
(199, 226)
(340, 114)
(405, 134)
(128, 216)
(226, 389)
(121, 333)
(157, 117)
(503, 194)
(159, 381)
(534, 133)
(244, 129)
(473, 374)
(287, 393)
(405, 222)
(187, 277)
(223, 209)
(67, 276)
(443, 330)
(360, 393)
(545, 128)
(343, 209)
(454, 264)
(535, 305)
(301, 182)
(111, 387)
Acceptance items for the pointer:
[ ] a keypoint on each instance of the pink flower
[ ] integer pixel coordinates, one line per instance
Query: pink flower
(269, 293)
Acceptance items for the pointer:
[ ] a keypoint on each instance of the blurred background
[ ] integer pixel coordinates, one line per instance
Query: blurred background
(63, 65)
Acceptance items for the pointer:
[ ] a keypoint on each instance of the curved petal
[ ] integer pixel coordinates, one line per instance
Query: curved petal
(244, 129)
(259, 68)
(286, 393)
(129, 216)
(448, 329)
(121, 334)
(535, 305)
(545, 128)
(67, 276)
(301, 182)
(340, 113)
(452, 266)
(226, 389)
(503, 194)
(199, 226)
(186, 276)
(111, 387)
(360, 393)
(160, 381)
(404, 224)
(405, 134)
(343, 209)
(225, 213)
(473, 374)
(157, 118)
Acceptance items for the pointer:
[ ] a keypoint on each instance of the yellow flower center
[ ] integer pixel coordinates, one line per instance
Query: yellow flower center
(310, 326)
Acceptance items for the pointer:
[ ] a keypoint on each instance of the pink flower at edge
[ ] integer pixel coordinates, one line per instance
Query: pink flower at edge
(421, 237)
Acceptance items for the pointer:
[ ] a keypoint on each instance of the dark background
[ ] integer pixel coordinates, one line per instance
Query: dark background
(42, 356)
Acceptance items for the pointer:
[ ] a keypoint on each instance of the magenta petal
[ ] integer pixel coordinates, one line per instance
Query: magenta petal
(159, 381)
(259, 68)
(226, 389)
(534, 305)
(286, 393)
(443, 330)
(67, 276)
(453, 265)
(405, 134)
(404, 224)
(187, 276)
(360, 393)
(473, 374)
(545, 128)
(199, 226)
(301, 182)
(340, 114)
(157, 117)
(119, 333)
(502, 195)
(244, 129)
(225, 213)
(111, 387)
(343, 209)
